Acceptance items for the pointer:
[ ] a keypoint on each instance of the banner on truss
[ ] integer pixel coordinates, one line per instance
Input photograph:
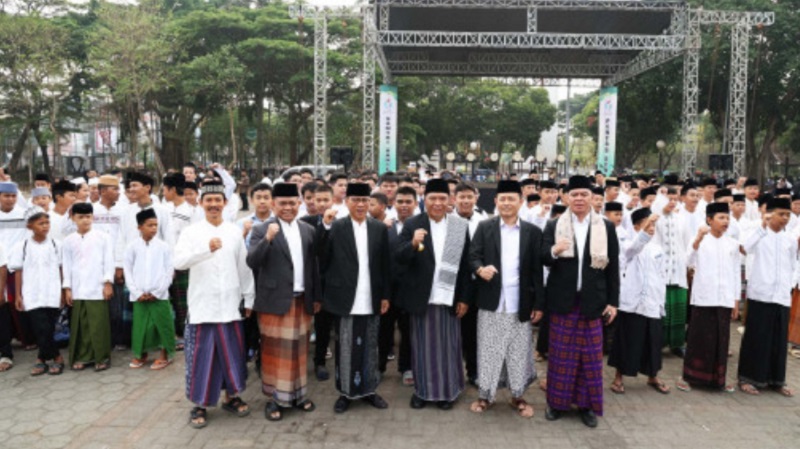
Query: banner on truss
(387, 158)
(607, 141)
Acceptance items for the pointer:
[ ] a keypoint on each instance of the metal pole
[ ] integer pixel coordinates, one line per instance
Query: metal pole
(566, 130)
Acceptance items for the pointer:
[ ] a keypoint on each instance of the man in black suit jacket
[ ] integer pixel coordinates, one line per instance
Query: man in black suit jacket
(323, 320)
(582, 292)
(355, 266)
(434, 252)
(285, 300)
(505, 256)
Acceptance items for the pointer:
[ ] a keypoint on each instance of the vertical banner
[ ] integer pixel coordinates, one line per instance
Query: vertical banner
(607, 141)
(387, 159)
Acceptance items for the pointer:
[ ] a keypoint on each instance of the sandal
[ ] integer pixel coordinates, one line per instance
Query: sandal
(273, 411)
(102, 366)
(785, 391)
(179, 345)
(524, 409)
(538, 357)
(30, 348)
(236, 406)
(5, 364)
(79, 366)
(160, 364)
(617, 388)
(659, 386)
(137, 363)
(543, 385)
(749, 389)
(197, 418)
(39, 368)
(683, 385)
(56, 369)
(729, 389)
(479, 406)
(795, 352)
(306, 406)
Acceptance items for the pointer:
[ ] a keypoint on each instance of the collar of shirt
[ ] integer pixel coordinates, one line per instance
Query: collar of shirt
(516, 224)
(576, 220)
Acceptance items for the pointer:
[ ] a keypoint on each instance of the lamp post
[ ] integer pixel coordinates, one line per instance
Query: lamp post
(517, 159)
(561, 163)
(660, 145)
(471, 160)
(450, 158)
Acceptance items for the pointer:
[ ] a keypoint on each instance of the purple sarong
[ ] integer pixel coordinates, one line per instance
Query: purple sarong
(215, 360)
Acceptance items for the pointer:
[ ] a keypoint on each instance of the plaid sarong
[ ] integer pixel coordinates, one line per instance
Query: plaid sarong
(675, 318)
(284, 354)
(575, 362)
(177, 296)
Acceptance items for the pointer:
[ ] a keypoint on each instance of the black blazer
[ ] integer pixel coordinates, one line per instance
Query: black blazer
(339, 265)
(417, 280)
(397, 271)
(486, 249)
(272, 262)
(599, 288)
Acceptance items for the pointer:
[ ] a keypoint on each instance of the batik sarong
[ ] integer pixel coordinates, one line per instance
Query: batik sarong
(505, 354)
(357, 355)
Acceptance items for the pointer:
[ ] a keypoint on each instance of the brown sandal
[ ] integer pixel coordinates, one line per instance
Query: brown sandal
(785, 391)
(659, 386)
(617, 388)
(479, 406)
(523, 408)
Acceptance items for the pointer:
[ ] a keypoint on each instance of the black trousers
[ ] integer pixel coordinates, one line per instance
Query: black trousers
(543, 335)
(5, 332)
(43, 324)
(397, 316)
(245, 204)
(469, 341)
(323, 324)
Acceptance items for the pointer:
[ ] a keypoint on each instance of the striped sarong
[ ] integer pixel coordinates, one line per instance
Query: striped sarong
(177, 296)
(575, 362)
(675, 317)
(357, 355)
(214, 361)
(436, 355)
(90, 332)
(152, 328)
(284, 354)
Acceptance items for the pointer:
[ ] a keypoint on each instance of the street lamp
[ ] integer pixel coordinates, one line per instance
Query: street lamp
(517, 159)
(561, 162)
(660, 145)
(450, 158)
(471, 159)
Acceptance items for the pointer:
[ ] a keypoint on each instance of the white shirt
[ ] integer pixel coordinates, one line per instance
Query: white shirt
(217, 281)
(12, 227)
(775, 255)
(581, 230)
(672, 235)
(266, 180)
(362, 305)
(40, 264)
(751, 211)
(181, 216)
(624, 238)
(717, 278)
(438, 236)
(60, 225)
(341, 210)
(148, 268)
(473, 221)
(643, 290)
(88, 263)
(291, 231)
(509, 274)
(110, 222)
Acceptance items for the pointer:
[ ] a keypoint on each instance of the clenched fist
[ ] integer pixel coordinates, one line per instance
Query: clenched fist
(419, 236)
(215, 244)
(272, 231)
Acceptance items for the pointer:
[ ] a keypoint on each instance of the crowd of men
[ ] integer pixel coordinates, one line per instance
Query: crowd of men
(590, 265)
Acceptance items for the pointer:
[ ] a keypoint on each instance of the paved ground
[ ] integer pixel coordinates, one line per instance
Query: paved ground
(124, 408)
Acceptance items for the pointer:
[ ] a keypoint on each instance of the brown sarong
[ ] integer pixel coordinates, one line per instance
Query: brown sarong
(284, 354)
(794, 318)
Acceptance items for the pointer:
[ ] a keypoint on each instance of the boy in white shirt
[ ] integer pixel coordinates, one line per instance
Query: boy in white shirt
(36, 262)
(715, 299)
(762, 361)
(638, 339)
(148, 272)
(87, 261)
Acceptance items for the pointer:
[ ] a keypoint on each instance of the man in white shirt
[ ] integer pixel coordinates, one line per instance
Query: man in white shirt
(637, 341)
(751, 192)
(13, 230)
(715, 299)
(338, 183)
(357, 293)
(762, 361)
(505, 256)
(140, 185)
(214, 253)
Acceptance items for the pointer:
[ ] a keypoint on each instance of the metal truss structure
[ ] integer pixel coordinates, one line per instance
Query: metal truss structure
(396, 41)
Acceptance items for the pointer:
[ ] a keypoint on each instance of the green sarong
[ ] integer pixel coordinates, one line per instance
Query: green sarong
(153, 328)
(90, 341)
(675, 319)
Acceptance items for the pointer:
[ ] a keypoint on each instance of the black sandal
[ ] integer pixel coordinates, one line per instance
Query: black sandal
(198, 413)
(305, 406)
(273, 409)
(56, 369)
(102, 366)
(39, 369)
(234, 406)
